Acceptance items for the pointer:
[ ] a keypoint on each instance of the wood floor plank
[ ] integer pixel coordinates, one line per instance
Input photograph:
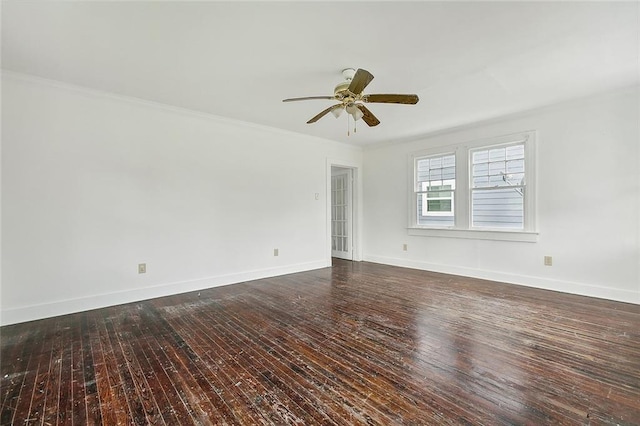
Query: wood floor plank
(353, 361)
(331, 360)
(127, 388)
(29, 384)
(64, 407)
(219, 363)
(174, 384)
(358, 343)
(114, 402)
(17, 344)
(251, 363)
(110, 408)
(145, 398)
(13, 364)
(383, 363)
(160, 387)
(94, 412)
(78, 406)
(207, 405)
(52, 390)
(38, 399)
(273, 347)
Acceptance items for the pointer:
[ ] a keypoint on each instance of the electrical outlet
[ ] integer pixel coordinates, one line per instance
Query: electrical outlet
(275, 252)
(404, 247)
(142, 268)
(548, 261)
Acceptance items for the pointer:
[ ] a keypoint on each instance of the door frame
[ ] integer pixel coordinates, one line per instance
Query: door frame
(356, 202)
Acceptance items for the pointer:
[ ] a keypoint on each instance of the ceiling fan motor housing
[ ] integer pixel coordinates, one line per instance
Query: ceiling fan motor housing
(341, 88)
(348, 74)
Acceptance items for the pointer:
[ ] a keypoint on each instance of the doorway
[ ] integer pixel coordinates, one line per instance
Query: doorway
(342, 243)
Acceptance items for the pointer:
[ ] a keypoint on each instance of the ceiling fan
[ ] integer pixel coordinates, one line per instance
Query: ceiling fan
(350, 97)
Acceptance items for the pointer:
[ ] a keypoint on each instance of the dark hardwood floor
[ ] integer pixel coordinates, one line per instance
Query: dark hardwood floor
(358, 343)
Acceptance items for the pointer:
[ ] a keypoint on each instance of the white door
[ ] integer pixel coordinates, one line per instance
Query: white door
(341, 213)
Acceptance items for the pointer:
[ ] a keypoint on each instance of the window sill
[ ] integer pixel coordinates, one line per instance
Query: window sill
(475, 234)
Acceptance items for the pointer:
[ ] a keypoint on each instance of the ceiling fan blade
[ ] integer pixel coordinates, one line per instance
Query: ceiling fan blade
(360, 80)
(368, 116)
(392, 99)
(308, 98)
(325, 112)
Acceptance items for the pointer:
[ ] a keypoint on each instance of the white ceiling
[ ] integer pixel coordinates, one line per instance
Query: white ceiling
(467, 61)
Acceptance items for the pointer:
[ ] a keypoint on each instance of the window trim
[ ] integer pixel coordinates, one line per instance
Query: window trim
(462, 227)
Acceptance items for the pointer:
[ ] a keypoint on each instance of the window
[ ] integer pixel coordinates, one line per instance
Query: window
(482, 189)
(436, 182)
(497, 187)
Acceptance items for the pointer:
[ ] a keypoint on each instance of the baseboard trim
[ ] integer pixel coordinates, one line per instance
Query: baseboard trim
(70, 306)
(524, 280)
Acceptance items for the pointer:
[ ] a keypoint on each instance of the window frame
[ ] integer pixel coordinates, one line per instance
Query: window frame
(426, 198)
(487, 189)
(462, 227)
(421, 191)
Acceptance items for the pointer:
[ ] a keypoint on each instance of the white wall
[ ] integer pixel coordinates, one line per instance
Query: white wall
(93, 184)
(588, 203)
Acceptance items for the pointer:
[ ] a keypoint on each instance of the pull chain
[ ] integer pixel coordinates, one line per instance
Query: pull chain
(354, 125)
(348, 125)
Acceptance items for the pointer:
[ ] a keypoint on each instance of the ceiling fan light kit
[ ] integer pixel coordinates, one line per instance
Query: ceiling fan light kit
(350, 97)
